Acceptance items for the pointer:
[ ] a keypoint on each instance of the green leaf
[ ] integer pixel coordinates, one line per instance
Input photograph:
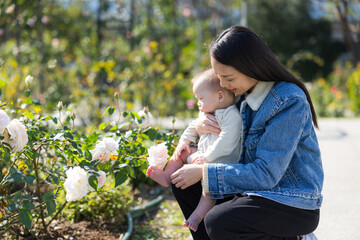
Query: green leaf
(88, 155)
(152, 133)
(103, 125)
(13, 206)
(7, 155)
(55, 120)
(114, 128)
(15, 177)
(29, 179)
(111, 110)
(55, 179)
(50, 206)
(68, 135)
(92, 138)
(130, 171)
(27, 93)
(28, 101)
(74, 144)
(48, 196)
(93, 182)
(2, 82)
(29, 115)
(120, 177)
(25, 218)
(28, 205)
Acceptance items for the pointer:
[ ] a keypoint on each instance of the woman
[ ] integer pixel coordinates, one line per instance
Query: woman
(274, 192)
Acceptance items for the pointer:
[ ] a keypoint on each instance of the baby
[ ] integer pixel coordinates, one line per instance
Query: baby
(225, 148)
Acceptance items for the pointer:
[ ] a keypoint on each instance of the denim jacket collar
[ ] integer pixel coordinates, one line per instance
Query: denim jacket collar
(258, 94)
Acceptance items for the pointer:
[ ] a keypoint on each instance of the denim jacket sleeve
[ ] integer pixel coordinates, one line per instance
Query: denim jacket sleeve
(268, 151)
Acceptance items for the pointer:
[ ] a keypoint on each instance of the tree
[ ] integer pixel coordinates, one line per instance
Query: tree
(300, 41)
(349, 17)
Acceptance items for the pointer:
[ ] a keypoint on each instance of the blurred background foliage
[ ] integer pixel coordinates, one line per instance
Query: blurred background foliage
(146, 51)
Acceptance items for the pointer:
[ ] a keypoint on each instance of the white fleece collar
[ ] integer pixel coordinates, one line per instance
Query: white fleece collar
(258, 94)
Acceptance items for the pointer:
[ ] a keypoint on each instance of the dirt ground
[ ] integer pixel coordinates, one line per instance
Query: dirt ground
(154, 224)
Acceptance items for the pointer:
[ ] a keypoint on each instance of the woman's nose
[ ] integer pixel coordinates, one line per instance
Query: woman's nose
(222, 84)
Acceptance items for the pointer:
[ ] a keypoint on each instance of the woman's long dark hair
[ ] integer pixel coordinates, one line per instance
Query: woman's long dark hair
(242, 49)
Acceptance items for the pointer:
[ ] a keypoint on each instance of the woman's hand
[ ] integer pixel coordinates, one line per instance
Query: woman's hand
(186, 176)
(207, 124)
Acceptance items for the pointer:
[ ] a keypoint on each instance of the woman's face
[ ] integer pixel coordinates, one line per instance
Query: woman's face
(232, 79)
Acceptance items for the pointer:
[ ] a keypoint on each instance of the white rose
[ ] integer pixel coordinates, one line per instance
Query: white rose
(101, 180)
(4, 121)
(15, 135)
(110, 144)
(76, 184)
(158, 155)
(100, 153)
(104, 149)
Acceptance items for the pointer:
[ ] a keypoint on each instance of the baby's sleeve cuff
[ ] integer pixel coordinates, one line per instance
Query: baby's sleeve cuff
(205, 183)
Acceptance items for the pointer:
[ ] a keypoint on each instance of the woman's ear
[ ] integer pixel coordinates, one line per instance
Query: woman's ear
(221, 96)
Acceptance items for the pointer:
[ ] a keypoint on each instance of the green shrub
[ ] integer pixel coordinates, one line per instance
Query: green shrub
(108, 204)
(33, 176)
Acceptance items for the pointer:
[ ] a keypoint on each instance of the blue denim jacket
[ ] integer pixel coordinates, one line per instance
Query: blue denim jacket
(280, 157)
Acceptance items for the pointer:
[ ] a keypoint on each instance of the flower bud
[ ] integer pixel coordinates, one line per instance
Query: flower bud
(60, 105)
(28, 80)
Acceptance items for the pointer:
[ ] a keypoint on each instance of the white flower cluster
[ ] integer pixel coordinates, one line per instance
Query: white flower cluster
(14, 132)
(158, 156)
(77, 183)
(105, 149)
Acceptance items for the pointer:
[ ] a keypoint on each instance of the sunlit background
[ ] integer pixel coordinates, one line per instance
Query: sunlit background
(146, 51)
(78, 71)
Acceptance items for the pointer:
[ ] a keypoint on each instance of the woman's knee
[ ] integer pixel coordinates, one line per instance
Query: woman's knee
(214, 222)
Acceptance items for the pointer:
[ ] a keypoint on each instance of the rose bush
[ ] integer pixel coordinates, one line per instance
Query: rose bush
(44, 157)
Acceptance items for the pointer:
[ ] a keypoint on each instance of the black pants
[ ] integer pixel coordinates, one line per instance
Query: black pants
(248, 217)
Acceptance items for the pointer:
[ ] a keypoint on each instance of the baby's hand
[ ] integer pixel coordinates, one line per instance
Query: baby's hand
(184, 145)
(200, 159)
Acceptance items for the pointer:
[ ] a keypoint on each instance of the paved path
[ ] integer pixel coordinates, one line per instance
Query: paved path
(340, 147)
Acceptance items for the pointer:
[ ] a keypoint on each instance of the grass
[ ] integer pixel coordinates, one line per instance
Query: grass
(164, 222)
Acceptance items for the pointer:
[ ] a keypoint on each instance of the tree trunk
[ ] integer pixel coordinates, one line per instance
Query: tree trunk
(176, 49)
(149, 17)
(131, 25)
(99, 28)
(353, 43)
(199, 35)
(18, 31)
(41, 46)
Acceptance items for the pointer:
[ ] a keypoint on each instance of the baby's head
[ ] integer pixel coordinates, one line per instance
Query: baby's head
(210, 95)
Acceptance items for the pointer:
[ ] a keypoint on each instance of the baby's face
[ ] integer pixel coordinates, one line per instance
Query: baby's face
(207, 98)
